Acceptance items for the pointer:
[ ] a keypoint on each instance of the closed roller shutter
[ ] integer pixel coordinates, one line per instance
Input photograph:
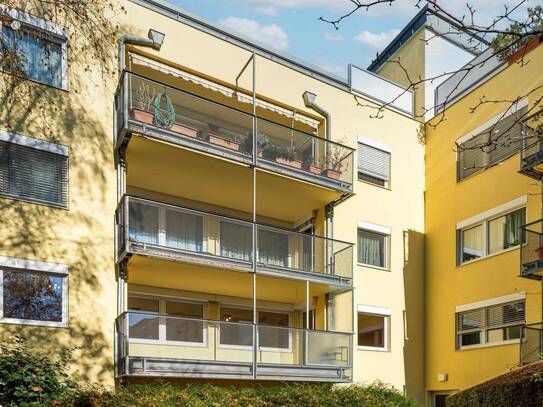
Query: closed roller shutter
(373, 164)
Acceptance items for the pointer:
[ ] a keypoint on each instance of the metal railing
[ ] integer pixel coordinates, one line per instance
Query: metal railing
(531, 153)
(180, 117)
(171, 342)
(531, 343)
(531, 252)
(155, 228)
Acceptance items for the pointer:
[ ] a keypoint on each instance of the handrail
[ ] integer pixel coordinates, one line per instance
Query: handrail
(127, 72)
(257, 224)
(158, 315)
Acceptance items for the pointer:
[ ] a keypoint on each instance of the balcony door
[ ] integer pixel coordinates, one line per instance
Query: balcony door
(273, 248)
(236, 240)
(184, 230)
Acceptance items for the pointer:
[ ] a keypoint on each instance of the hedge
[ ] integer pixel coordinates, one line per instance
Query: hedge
(520, 387)
(204, 395)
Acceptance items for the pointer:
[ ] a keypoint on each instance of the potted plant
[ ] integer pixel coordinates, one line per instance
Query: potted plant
(287, 156)
(143, 100)
(333, 162)
(311, 166)
(225, 140)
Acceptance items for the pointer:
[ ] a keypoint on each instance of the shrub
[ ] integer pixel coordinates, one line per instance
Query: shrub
(520, 387)
(27, 378)
(204, 395)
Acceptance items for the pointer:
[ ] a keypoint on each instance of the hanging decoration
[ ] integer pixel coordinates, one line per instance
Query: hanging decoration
(163, 117)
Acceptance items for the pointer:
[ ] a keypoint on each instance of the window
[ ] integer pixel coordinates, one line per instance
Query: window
(236, 240)
(491, 235)
(372, 331)
(38, 46)
(490, 146)
(373, 165)
(237, 329)
(372, 248)
(492, 324)
(156, 319)
(272, 247)
(33, 170)
(33, 297)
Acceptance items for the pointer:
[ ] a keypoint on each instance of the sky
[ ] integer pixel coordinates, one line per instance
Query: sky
(293, 26)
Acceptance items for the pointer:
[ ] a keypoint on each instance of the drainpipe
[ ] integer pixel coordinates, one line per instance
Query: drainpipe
(309, 101)
(154, 41)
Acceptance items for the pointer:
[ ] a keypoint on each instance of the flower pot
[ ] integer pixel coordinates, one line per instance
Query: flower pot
(219, 141)
(518, 54)
(313, 169)
(184, 130)
(539, 252)
(332, 173)
(142, 116)
(290, 163)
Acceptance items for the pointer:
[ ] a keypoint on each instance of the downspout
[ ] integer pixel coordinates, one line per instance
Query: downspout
(309, 101)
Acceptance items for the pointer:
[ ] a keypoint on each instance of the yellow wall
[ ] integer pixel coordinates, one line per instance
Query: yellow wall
(448, 202)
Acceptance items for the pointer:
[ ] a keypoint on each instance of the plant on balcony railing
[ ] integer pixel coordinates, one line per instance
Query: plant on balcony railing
(144, 99)
(311, 165)
(333, 162)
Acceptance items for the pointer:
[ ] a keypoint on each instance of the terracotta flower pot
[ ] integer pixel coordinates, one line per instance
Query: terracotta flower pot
(219, 141)
(518, 54)
(313, 169)
(142, 116)
(184, 130)
(332, 173)
(290, 163)
(539, 252)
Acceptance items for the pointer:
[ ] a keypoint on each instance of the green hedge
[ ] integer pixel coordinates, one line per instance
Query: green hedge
(520, 387)
(201, 395)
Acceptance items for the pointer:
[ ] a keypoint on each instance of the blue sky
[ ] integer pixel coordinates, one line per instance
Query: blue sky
(293, 26)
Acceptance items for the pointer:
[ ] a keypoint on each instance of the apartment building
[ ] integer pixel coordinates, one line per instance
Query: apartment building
(244, 224)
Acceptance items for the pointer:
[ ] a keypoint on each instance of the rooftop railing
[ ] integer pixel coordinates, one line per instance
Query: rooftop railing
(155, 109)
(172, 232)
(165, 345)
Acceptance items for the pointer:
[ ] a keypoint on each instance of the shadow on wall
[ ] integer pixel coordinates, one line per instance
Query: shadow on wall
(413, 275)
(81, 237)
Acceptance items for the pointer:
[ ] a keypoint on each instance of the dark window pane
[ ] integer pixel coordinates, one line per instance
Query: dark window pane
(473, 338)
(33, 296)
(142, 323)
(185, 330)
(270, 336)
(371, 330)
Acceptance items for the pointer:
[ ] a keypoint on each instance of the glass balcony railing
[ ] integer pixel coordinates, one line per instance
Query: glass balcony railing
(172, 232)
(531, 153)
(531, 252)
(152, 344)
(531, 343)
(155, 109)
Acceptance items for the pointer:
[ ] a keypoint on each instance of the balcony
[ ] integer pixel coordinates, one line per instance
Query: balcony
(167, 346)
(531, 252)
(531, 154)
(531, 343)
(167, 114)
(178, 234)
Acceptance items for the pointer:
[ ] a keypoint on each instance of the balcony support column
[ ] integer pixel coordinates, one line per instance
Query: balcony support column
(329, 215)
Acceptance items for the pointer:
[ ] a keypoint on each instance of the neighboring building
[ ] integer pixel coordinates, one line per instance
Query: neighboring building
(476, 203)
(250, 221)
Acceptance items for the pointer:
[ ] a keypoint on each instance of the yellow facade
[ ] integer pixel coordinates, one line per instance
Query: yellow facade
(449, 202)
(187, 210)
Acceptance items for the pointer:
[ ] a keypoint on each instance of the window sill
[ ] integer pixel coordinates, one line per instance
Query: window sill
(27, 322)
(373, 267)
(386, 188)
(489, 256)
(373, 349)
(490, 345)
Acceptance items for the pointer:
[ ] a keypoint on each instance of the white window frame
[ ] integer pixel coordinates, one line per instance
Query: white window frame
(266, 349)
(385, 231)
(516, 297)
(55, 32)
(386, 314)
(32, 266)
(483, 219)
(162, 325)
(378, 146)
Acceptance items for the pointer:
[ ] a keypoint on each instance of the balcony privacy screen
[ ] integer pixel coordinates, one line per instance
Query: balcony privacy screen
(373, 164)
(32, 174)
(491, 146)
